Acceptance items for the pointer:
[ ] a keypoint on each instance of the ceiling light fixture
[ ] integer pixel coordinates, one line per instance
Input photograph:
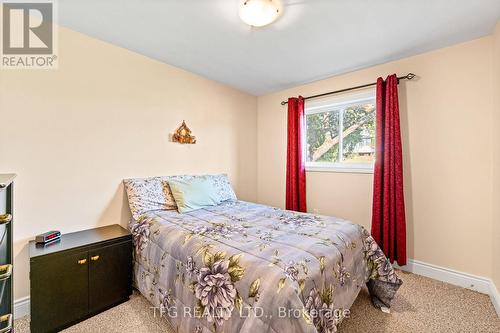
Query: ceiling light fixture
(258, 13)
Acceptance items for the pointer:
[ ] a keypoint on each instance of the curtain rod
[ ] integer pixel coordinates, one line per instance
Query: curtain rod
(408, 76)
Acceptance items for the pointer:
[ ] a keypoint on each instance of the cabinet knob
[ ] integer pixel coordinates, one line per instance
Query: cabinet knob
(5, 218)
(5, 272)
(9, 319)
(82, 261)
(94, 258)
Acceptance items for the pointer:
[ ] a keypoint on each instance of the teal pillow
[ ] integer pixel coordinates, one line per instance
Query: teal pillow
(193, 194)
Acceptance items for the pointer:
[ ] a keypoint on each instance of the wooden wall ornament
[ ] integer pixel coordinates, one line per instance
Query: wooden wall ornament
(183, 135)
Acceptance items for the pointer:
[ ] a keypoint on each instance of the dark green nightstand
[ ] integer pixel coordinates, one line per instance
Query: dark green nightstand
(85, 273)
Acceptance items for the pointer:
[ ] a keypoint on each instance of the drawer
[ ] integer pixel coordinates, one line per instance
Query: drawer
(4, 228)
(3, 201)
(5, 281)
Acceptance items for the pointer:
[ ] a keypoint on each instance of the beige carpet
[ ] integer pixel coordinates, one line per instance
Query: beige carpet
(421, 305)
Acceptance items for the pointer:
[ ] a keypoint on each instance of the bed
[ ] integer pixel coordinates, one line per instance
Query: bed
(245, 267)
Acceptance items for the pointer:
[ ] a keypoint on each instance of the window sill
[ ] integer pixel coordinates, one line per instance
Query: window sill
(339, 169)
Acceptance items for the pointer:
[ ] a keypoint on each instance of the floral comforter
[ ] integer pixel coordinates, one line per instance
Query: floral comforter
(244, 267)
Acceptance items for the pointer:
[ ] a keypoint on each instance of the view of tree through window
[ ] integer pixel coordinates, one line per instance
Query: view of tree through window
(342, 135)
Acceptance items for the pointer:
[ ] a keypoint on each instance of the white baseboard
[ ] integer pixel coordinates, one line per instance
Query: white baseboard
(21, 307)
(464, 280)
(469, 281)
(495, 298)
(447, 275)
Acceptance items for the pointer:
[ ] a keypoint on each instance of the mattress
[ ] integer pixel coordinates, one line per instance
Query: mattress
(245, 267)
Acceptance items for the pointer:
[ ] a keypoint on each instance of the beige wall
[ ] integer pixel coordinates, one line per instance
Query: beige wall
(496, 159)
(74, 133)
(446, 115)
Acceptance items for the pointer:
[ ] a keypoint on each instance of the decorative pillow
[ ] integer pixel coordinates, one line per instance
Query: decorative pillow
(194, 193)
(146, 194)
(220, 182)
(223, 187)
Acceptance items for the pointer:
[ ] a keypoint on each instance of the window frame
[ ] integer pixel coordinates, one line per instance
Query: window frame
(337, 103)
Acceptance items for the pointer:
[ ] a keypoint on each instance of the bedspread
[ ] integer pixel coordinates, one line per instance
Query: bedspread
(244, 267)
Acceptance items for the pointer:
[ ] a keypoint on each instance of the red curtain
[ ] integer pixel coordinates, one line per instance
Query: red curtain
(295, 163)
(388, 211)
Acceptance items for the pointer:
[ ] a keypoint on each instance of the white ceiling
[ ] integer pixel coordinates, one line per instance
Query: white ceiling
(313, 39)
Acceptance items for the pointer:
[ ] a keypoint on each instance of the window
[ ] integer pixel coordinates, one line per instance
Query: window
(340, 134)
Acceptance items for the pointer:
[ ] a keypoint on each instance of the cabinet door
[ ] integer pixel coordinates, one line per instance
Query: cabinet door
(59, 290)
(110, 276)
